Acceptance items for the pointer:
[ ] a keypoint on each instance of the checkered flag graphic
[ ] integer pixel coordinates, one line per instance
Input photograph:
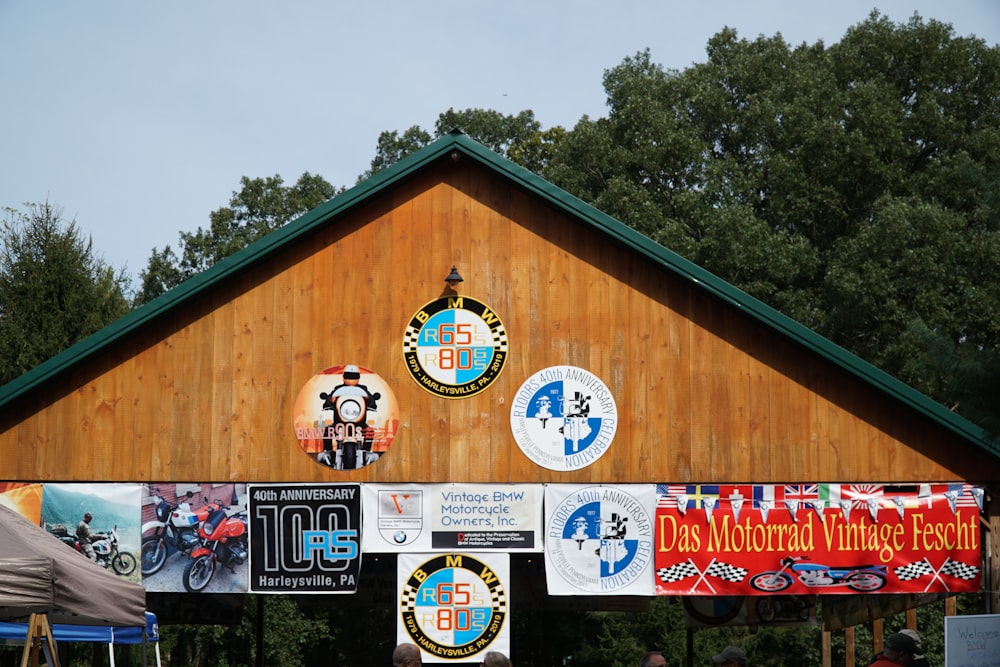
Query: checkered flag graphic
(677, 572)
(500, 339)
(410, 339)
(727, 572)
(959, 570)
(499, 597)
(408, 601)
(913, 571)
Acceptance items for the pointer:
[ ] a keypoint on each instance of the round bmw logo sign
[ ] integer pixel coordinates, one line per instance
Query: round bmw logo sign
(455, 346)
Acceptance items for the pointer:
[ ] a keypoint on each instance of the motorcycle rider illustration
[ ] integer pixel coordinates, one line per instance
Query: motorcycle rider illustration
(575, 426)
(612, 545)
(544, 411)
(345, 413)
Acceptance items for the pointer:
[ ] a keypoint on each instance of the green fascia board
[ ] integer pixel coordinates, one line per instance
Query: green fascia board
(570, 205)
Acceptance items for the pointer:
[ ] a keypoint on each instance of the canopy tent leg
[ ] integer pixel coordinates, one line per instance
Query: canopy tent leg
(39, 636)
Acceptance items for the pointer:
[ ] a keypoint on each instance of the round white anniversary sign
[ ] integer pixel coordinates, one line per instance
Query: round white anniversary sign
(564, 418)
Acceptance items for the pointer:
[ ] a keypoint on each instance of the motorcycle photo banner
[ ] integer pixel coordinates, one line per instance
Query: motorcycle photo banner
(194, 537)
(807, 539)
(112, 534)
(305, 538)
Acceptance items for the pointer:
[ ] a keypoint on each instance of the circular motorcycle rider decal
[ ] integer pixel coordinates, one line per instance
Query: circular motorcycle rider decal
(455, 346)
(346, 417)
(564, 418)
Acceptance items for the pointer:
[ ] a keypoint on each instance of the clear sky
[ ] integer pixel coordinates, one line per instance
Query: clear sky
(139, 118)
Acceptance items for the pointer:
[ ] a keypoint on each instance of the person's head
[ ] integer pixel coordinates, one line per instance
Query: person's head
(495, 659)
(901, 648)
(88, 517)
(352, 375)
(653, 659)
(731, 656)
(406, 655)
(916, 638)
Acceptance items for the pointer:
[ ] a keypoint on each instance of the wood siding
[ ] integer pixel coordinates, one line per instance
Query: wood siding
(704, 393)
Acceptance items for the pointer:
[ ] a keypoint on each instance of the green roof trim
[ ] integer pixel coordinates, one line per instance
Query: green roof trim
(458, 142)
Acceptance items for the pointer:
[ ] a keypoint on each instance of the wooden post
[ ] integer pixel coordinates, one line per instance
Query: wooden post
(849, 646)
(878, 635)
(992, 537)
(827, 653)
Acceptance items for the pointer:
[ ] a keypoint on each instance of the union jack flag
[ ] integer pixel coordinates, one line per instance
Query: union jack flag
(804, 493)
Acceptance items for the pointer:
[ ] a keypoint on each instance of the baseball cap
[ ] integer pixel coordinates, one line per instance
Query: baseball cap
(912, 633)
(731, 654)
(902, 643)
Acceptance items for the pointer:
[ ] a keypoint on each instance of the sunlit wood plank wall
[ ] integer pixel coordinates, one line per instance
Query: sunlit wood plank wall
(704, 394)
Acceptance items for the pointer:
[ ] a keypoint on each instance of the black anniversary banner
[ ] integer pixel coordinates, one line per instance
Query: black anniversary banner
(305, 538)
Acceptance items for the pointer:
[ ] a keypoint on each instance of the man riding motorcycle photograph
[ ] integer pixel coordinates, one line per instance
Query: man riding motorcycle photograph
(84, 536)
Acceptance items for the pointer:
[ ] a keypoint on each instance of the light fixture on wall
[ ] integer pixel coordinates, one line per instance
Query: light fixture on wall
(453, 278)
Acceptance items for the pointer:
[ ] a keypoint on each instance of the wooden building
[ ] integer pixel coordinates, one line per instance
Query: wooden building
(711, 385)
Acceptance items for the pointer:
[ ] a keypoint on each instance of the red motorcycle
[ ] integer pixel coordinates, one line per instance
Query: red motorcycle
(223, 542)
(175, 529)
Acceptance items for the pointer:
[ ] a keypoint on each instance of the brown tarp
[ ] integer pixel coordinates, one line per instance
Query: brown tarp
(40, 574)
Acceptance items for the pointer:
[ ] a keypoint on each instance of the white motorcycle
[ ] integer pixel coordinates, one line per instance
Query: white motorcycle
(175, 528)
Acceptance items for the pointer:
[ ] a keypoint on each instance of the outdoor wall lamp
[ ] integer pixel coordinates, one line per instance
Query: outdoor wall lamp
(453, 278)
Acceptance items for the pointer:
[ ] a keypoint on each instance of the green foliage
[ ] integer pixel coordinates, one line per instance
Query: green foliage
(54, 291)
(260, 207)
(968, 375)
(854, 188)
(519, 138)
(393, 147)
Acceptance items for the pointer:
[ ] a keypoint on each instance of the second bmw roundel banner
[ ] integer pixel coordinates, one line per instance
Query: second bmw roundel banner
(454, 606)
(599, 539)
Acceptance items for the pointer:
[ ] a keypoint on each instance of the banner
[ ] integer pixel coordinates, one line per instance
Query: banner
(305, 538)
(599, 539)
(454, 606)
(186, 545)
(809, 539)
(450, 517)
(60, 508)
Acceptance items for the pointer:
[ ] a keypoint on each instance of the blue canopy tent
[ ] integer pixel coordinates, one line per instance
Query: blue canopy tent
(105, 634)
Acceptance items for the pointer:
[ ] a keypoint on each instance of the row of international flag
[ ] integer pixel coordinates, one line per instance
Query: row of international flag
(871, 498)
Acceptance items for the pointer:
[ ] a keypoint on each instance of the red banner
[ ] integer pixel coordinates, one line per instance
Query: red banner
(808, 539)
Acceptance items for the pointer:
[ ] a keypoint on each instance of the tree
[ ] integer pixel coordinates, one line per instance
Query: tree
(261, 206)
(54, 291)
(850, 187)
(393, 147)
(519, 138)
(968, 376)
